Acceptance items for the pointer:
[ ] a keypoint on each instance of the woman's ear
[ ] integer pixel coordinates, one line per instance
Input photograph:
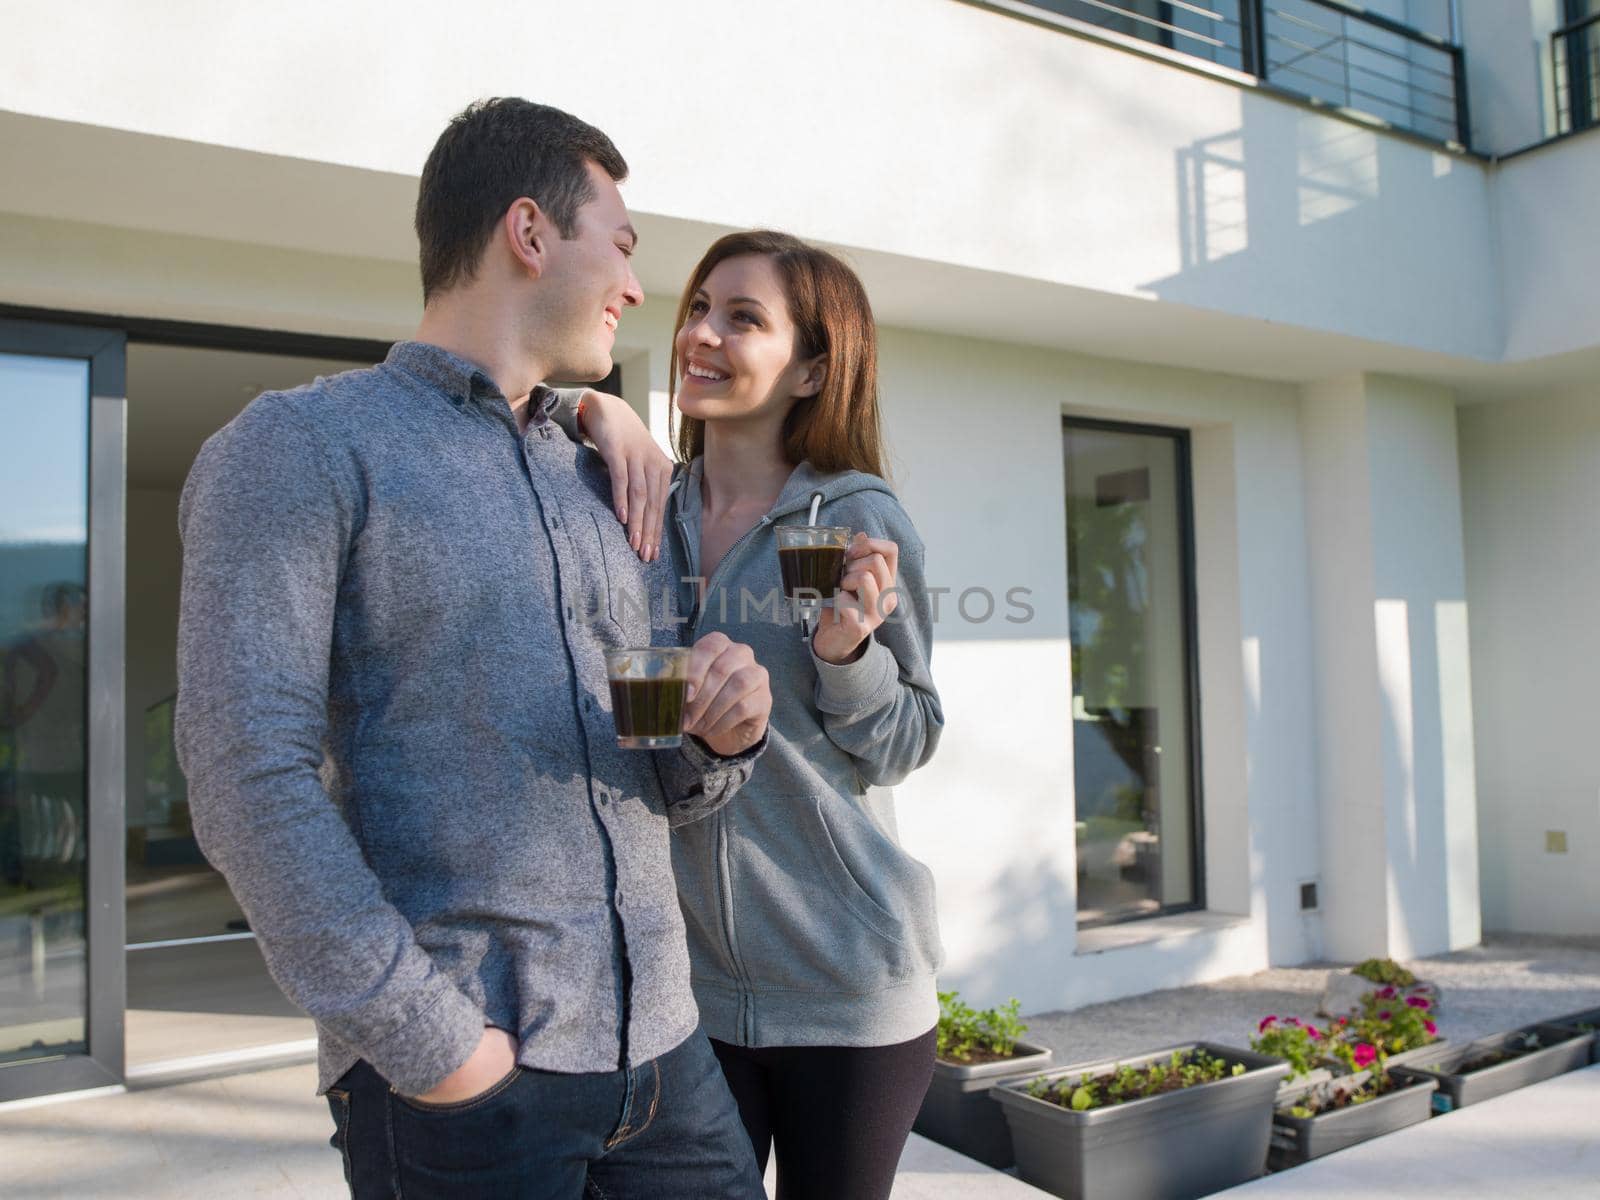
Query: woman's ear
(816, 375)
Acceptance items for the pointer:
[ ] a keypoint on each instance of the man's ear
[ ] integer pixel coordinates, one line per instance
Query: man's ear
(527, 233)
(816, 375)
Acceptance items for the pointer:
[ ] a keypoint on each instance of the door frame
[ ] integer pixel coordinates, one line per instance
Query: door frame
(102, 1064)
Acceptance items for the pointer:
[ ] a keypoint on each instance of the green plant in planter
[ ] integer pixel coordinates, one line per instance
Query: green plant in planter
(1301, 1043)
(1185, 1069)
(1384, 971)
(1394, 1023)
(963, 1030)
(1334, 1096)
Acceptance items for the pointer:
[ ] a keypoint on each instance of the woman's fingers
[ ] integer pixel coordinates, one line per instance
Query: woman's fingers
(658, 473)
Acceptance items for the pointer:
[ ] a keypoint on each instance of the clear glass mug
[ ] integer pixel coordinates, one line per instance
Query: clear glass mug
(811, 561)
(647, 693)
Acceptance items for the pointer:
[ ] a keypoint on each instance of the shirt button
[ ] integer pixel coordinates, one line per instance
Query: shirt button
(619, 901)
(555, 522)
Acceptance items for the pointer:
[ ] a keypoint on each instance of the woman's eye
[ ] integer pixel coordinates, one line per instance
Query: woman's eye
(696, 307)
(750, 317)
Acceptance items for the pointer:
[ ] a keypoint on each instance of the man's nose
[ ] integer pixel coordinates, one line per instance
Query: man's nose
(632, 291)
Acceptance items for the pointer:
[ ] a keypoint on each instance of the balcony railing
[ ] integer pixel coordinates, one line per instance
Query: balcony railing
(1575, 57)
(1327, 51)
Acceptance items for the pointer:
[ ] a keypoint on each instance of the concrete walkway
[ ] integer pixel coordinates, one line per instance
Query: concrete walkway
(265, 1134)
(1539, 1141)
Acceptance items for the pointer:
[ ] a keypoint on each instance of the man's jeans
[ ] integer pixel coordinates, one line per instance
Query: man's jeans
(663, 1131)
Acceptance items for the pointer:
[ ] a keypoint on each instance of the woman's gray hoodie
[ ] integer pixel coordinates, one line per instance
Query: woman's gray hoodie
(807, 923)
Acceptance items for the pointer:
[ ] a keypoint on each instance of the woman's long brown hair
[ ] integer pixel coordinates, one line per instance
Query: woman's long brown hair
(839, 428)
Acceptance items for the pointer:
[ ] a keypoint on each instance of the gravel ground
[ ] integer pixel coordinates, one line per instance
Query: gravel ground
(1508, 981)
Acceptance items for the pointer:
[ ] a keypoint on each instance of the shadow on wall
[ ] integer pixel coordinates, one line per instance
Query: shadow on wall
(1032, 908)
(1294, 185)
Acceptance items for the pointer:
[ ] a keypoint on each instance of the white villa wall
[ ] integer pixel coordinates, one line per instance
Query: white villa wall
(947, 134)
(1398, 816)
(1544, 204)
(1531, 489)
(1424, 668)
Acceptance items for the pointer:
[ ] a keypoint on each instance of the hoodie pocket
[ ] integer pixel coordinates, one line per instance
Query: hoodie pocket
(845, 883)
(804, 916)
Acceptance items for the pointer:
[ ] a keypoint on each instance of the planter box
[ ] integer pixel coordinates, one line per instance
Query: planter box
(1172, 1147)
(1294, 1085)
(1426, 1053)
(1589, 1017)
(958, 1112)
(1563, 1050)
(1419, 1054)
(1297, 1140)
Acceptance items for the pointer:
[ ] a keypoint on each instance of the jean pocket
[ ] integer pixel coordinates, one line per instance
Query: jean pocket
(471, 1103)
(339, 1106)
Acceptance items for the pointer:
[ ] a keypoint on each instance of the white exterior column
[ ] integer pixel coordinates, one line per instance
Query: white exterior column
(1398, 817)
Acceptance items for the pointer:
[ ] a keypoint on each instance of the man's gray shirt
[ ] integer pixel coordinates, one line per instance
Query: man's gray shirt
(394, 721)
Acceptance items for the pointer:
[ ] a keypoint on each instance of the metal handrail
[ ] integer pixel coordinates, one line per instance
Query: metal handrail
(1319, 47)
(1434, 104)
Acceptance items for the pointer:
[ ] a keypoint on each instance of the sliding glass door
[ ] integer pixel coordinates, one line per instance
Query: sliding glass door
(61, 735)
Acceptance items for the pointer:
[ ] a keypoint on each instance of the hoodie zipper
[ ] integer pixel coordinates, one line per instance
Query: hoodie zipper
(723, 867)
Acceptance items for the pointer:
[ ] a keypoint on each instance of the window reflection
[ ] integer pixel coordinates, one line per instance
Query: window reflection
(44, 431)
(1128, 597)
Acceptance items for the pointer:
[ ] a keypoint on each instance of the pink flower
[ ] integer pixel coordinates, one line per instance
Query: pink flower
(1417, 1002)
(1315, 1034)
(1430, 1027)
(1365, 1055)
(1386, 993)
(1295, 1021)
(1265, 1021)
(1385, 1015)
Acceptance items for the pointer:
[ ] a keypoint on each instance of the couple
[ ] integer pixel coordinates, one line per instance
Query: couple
(394, 721)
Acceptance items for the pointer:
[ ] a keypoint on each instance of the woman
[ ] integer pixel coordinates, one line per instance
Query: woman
(812, 934)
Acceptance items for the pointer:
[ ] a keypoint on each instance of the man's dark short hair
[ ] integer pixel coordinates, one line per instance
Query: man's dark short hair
(493, 153)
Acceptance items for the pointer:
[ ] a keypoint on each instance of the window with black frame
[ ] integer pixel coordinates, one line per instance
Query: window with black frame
(1131, 622)
(1575, 59)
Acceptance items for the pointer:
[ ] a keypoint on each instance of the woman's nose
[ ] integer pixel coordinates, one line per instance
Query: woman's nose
(701, 332)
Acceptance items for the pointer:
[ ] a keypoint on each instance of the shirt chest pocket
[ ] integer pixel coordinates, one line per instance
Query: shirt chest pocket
(614, 588)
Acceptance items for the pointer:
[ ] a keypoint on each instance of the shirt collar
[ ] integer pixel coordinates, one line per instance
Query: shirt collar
(459, 378)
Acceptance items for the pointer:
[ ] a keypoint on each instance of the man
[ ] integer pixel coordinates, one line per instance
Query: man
(389, 570)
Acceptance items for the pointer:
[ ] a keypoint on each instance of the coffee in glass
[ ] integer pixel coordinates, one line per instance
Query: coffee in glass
(647, 694)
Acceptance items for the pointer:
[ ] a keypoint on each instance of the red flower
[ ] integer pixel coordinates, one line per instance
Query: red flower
(1365, 1055)
(1430, 1027)
(1385, 1015)
(1312, 1030)
(1417, 1002)
(1386, 993)
(1265, 1021)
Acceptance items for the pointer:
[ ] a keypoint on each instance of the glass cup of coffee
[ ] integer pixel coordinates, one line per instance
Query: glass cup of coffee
(811, 560)
(647, 692)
